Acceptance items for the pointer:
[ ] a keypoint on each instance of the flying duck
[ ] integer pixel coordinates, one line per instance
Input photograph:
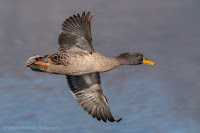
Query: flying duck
(77, 59)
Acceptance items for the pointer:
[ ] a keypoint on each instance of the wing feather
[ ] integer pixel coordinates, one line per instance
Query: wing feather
(89, 93)
(76, 34)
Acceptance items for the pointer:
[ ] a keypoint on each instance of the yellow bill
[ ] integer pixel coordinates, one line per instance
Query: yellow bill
(145, 61)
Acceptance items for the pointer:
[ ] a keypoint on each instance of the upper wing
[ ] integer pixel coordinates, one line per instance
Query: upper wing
(76, 34)
(89, 93)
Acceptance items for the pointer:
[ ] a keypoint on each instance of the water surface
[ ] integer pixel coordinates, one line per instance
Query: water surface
(151, 99)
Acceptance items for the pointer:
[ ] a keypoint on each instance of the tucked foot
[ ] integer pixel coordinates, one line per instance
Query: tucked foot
(38, 63)
(42, 63)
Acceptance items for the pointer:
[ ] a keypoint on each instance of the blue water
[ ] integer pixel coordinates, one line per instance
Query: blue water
(44, 101)
(163, 98)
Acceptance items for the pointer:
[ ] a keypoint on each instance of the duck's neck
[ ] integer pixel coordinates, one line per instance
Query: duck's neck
(121, 60)
(107, 63)
(117, 61)
(110, 63)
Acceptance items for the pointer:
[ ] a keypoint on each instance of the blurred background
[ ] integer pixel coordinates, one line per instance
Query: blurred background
(163, 98)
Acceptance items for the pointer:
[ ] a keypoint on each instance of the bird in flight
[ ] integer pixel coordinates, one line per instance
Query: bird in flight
(77, 59)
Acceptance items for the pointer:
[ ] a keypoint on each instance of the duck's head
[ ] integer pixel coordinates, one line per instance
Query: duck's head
(133, 59)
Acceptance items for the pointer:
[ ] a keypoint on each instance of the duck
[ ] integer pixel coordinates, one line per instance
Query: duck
(82, 65)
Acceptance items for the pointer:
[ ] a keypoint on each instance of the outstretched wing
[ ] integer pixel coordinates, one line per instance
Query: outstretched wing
(76, 34)
(89, 93)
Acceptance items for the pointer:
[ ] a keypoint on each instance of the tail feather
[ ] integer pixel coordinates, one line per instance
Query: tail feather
(32, 63)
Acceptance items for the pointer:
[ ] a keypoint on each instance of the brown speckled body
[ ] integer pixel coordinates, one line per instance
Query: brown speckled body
(78, 63)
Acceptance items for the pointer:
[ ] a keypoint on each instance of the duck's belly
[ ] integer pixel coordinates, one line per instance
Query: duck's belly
(80, 66)
(83, 63)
